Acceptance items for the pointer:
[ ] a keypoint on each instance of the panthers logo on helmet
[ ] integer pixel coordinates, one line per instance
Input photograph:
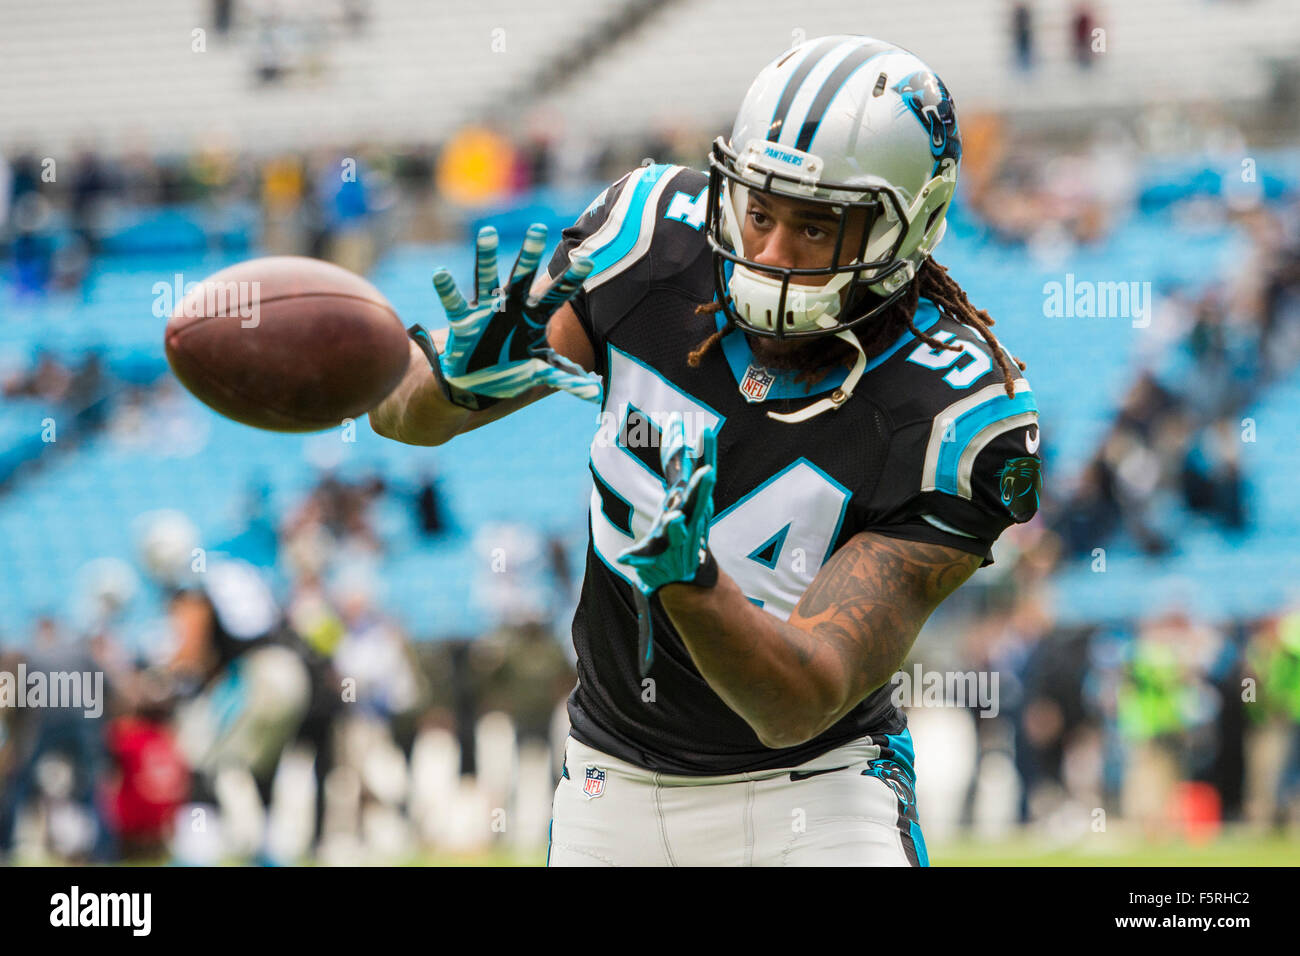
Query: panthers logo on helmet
(1020, 481)
(928, 99)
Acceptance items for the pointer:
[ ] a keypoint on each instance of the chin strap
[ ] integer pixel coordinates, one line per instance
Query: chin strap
(837, 397)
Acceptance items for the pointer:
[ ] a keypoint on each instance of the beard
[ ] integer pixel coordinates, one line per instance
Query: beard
(813, 357)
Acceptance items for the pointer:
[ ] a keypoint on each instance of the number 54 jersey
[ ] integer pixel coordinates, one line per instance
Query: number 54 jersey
(929, 447)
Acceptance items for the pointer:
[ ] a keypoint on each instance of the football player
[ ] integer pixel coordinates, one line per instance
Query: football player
(246, 689)
(809, 438)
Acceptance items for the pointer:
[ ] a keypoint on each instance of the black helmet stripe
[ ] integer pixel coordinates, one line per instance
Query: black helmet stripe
(792, 87)
(832, 86)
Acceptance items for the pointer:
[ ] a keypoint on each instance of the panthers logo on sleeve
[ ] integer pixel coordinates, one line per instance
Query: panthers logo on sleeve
(964, 456)
(1020, 482)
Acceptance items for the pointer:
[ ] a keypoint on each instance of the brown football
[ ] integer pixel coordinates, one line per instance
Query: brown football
(287, 343)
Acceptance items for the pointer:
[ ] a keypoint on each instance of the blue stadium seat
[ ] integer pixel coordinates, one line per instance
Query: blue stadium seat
(532, 467)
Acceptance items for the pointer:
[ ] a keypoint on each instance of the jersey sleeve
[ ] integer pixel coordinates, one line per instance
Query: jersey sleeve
(967, 474)
(579, 239)
(616, 233)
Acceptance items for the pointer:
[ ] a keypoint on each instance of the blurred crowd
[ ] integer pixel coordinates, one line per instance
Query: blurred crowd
(1175, 444)
(275, 722)
(254, 703)
(1081, 23)
(75, 394)
(346, 205)
(1177, 721)
(57, 214)
(1174, 724)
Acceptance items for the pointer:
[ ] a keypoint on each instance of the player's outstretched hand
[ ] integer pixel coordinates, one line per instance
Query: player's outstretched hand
(497, 345)
(676, 545)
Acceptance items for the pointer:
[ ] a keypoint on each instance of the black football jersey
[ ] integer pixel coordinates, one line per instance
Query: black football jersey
(929, 447)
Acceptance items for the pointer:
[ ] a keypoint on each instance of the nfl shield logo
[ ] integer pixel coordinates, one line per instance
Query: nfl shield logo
(594, 785)
(756, 383)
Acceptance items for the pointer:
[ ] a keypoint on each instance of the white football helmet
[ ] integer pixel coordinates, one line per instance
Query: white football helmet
(849, 123)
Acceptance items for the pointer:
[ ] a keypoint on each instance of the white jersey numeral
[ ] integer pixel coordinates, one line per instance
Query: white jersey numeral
(776, 538)
(959, 377)
(773, 541)
(689, 209)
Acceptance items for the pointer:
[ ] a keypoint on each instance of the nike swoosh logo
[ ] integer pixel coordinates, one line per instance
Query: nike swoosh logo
(804, 775)
(1031, 443)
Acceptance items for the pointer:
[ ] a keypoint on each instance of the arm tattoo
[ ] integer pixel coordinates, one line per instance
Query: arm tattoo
(850, 632)
(867, 605)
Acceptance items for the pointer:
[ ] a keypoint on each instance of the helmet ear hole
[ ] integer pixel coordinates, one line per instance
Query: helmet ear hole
(934, 217)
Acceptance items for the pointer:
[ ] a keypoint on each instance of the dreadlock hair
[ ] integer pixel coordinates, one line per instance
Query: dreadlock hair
(933, 282)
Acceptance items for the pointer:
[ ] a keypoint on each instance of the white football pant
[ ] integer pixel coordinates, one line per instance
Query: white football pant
(852, 806)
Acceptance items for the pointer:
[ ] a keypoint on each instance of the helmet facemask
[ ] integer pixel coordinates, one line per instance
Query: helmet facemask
(861, 130)
(757, 295)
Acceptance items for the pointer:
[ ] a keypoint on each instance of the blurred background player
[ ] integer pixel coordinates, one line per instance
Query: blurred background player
(244, 685)
(151, 780)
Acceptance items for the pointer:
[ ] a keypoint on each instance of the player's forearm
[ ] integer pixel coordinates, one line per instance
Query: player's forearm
(416, 412)
(786, 683)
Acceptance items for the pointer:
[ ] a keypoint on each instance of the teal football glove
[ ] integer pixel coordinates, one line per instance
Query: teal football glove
(497, 345)
(676, 546)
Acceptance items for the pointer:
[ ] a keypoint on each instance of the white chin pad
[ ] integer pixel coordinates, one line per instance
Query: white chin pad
(757, 298)
(757, 295)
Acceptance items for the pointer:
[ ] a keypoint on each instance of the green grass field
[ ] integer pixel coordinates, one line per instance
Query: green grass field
(1104, 850)
(1227, 850)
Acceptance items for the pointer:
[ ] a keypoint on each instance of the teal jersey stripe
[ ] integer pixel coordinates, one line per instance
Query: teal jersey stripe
(628, 233)
(918, 843)
(925, 318)
(971, 423)
(904, 750)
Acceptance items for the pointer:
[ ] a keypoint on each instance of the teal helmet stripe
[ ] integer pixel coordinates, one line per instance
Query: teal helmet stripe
(847, 67)
(791, 90)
